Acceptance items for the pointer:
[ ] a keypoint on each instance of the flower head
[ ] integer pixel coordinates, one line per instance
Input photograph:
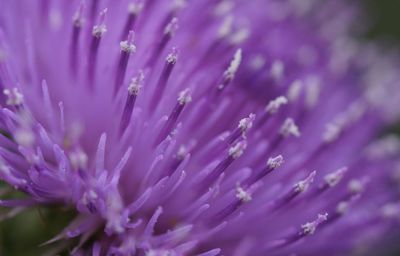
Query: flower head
(165, 127)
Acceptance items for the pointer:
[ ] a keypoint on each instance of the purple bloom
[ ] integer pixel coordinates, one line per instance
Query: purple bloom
(209, 127)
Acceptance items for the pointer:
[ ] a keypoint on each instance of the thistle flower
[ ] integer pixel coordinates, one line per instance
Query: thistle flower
(195, 128)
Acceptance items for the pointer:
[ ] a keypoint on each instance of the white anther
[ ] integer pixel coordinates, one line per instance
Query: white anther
(277, 70)
(173, 56)
(223, 7)
(184, 97)
(136, 84)
(14, 97)
(24, 137)
(182, 152)
(237, 150)
(274, 105)
(289, 128)
(89, 196)
(226, 27)
(243, 195)
(294, 90)
(312, 91)
(246, 123)
(135, 8)
(234, 65)
(391, 210)
(78, 159)
(101, 28)
(310, 227)
(171, 27)
(257, 62)
(331, 133)
(275, 162)
(77, 18)
(356, 111)
(355, 186)
(333, 178)
(386, 146)
(342, 207)
(239, 36)
(179, 4)
(55, 19)
(128, 46)
(303, 185)
(160, 252)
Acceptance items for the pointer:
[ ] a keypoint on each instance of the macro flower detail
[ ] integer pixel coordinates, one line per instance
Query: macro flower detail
(215, 127)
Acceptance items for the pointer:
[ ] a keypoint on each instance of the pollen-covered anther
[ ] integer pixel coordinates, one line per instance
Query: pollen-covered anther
(289, 128)
(391, 210)
(78, 159)
(356, 110)
(89, 196)
(342, 207)
(171, 27)
(136, 84)
(172, 58)
(274, 105)
(333, 178)
(24, 137)
(135, 8)
(77, 19)
(234, 65)
(230, 72)
(355, 186)
(226, 27)
(246, 123)
(158, 252)
(185, 97)
(223, 7)
(182, 152)
(179, 4)
(237, 150)
(115, 226)
(331, 133)
(14, 97)
(389, 145)
(303, 185)
(310, 227)
(257, 62)
(128, 46)
(277, 70)
(99, 30)
(294, 90)
(242, 195)
(239, 36)
(313, 91)
(275, 162)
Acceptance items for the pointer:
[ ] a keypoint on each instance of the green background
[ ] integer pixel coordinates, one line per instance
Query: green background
(385, 18)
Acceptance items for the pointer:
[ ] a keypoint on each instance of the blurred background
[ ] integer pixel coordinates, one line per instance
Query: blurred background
(385, 19)
(22, 235)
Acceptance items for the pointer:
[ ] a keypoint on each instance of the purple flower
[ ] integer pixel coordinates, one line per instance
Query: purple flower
(199, 127)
